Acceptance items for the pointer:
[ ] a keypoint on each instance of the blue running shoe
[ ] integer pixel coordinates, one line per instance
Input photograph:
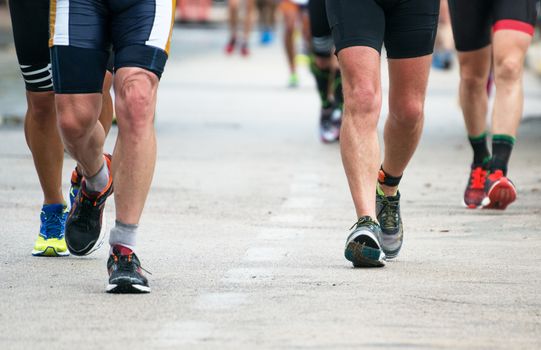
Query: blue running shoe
(266, 37)
(51, 241)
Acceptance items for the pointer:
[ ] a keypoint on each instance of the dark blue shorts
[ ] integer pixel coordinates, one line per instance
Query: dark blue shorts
(82, 32)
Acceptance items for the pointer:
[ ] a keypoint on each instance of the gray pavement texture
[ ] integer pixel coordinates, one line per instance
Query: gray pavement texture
(245, 226)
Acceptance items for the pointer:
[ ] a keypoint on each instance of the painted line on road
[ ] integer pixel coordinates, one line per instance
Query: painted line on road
(260, 261)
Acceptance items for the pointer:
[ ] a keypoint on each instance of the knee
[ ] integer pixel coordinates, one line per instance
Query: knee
(508, 69)
(473, 80)
(41, 107)
(408, 113)
(136, 97)
(322, 63)
(363, 104)
(76, 118)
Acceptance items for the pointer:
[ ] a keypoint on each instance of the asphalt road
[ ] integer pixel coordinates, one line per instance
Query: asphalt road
(246, 221)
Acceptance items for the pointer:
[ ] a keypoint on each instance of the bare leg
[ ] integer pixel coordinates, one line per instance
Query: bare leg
(233, 6)
(358, 138)
(408, 79)
(135, 150)
(474, 71)
(510, 48)
(45, 144)
(82, 133)
(106, 115)
(290, 19)
(248, 20)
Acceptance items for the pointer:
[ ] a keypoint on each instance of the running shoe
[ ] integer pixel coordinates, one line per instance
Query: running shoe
(76, 179)
(230, 47)
(266, 37)
(363, 244)
(293, 80)
(51, 241)
(329, 131)
(388, 213)
(500, 191)
(84, 227)
(125, 272)
(475, 190)
(336, 118)
(244, 50)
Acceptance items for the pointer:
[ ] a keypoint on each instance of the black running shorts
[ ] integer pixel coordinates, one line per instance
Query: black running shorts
(474, 20)
(82, 32)
(30, 22)
(322, 43)
(406, 27)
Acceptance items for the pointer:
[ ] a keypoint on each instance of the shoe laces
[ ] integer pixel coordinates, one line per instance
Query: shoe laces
(126, 261)
(363, 221)
(53, 224)
(388, 214)
(478, 178)
(87, 206)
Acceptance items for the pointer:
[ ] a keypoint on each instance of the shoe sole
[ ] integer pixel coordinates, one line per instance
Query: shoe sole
(49, 252)
(471, 206)
(500, 195)
(127, 288)
(393, 254)
(362, 256)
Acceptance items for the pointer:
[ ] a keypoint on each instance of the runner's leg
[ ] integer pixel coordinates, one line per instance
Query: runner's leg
(408, 80)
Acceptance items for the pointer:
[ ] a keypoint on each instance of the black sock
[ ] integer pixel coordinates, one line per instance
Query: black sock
(322, 81)
(502, 145)
(338, 94)
(481, 155)
(388, 180)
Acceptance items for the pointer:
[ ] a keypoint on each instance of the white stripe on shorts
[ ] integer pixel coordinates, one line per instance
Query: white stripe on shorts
(159, 36)
(61, 24)
(47, 68)
(48, 77)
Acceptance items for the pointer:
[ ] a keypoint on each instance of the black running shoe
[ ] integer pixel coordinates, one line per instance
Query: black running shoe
(84, 227)
(125, 272)
(388, 212)
(363, 244)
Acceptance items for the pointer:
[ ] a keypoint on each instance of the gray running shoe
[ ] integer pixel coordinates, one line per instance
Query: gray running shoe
(362, 246)
(388, 212)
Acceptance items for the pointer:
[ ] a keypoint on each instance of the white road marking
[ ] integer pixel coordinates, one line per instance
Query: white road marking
(220, 301)
(303, 203)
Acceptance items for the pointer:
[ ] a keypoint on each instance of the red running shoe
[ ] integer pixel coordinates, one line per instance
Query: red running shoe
(244, 50)
(500, 191)
(230, 47)
(475, 191)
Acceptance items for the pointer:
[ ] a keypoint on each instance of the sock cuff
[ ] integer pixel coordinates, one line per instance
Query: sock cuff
(481, 137)
(127, 226)
(123, 234)
(388, 180)
(504, 138)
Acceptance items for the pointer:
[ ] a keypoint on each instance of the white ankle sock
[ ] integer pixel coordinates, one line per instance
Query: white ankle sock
(123, 234)
(99, 181)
